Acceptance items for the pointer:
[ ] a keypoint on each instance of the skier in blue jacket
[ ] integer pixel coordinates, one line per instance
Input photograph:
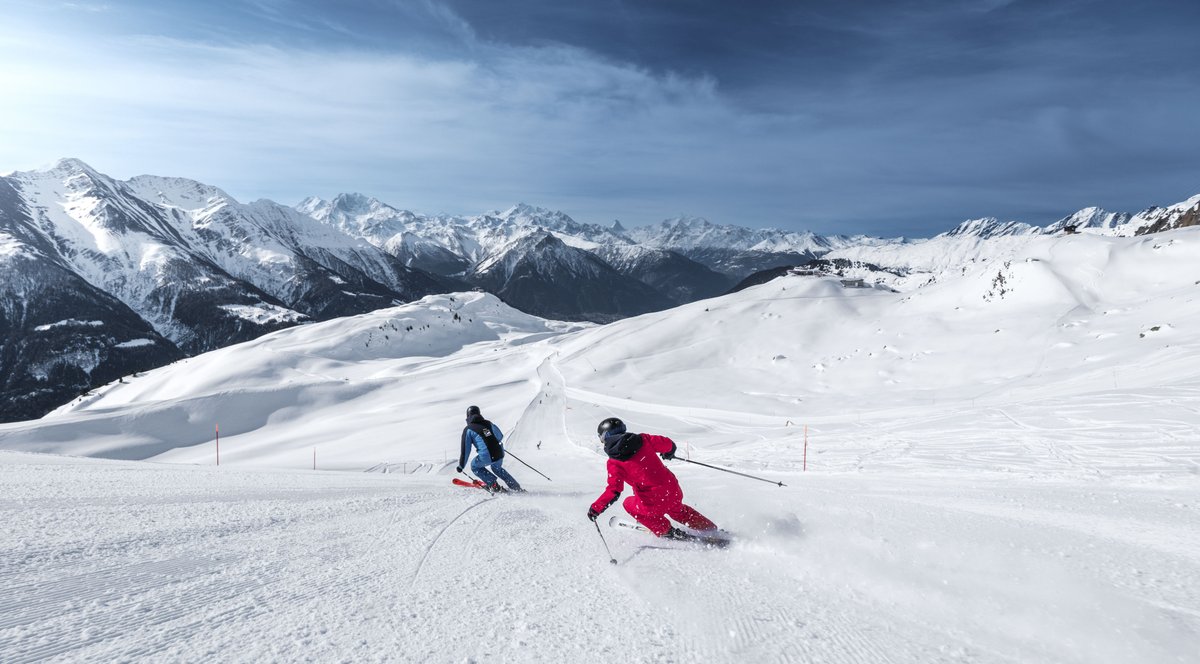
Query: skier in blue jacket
(486, 438)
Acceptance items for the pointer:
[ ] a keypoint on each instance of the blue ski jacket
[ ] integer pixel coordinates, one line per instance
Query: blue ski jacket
(471, 439)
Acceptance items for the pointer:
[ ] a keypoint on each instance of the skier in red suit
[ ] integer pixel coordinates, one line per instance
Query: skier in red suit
(634, 460)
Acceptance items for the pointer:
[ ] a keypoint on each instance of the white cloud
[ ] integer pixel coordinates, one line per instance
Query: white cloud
(86, 7)
(432, 133)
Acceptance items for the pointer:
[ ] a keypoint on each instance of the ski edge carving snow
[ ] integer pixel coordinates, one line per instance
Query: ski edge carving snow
(718, 541)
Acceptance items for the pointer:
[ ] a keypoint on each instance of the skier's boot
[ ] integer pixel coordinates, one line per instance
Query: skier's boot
(495, 488)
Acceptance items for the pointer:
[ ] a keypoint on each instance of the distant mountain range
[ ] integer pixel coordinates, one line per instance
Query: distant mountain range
(1092, 220)
(103, 278)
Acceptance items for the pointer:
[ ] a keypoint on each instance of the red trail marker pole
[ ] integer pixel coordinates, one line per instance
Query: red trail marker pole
(805, 466)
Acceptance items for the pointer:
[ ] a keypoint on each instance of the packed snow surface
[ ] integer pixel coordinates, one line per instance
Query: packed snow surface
(1002, 465)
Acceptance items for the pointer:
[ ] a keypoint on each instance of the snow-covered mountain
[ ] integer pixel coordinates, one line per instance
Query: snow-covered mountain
(199, 268)
(733, 250)
(430, 244)
(472, 246)
(730, 250)
(204, 270)
(59, 334)
(910, 264)
(688, 233)
(1155, 220)
(990, 227)
(101, 230)
(443, 243)
(678, 277)
(1093, 220)
(539, 273)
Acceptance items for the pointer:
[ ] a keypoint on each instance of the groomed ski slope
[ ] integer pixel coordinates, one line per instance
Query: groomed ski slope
(991, 478)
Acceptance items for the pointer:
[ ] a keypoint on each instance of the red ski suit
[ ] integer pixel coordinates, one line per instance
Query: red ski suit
(656, 492)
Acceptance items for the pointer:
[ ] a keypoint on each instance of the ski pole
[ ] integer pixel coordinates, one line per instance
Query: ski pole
(528, 466)
(606, 549)
(726, 470)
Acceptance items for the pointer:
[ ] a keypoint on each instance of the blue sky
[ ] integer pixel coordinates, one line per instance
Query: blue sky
(885, 117)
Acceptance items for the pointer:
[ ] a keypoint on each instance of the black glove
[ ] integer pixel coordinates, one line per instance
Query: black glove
(458, 469)
(667, 456)
(592, 513)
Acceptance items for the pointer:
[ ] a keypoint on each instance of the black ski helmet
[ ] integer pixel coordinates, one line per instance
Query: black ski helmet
(472, 411)
(613, 426)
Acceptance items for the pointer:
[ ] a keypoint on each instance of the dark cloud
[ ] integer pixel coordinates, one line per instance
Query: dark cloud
(1025, 108)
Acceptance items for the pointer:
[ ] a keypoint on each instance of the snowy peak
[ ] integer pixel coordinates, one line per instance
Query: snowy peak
(193, 264)
(539, 273)
(536, 248)
(529, 215)
(1091, 220)
(1156, 220)
(361, 216)
(355, 203)
(67, 168)
(522, 216)
(67, 178)
(687, 234)
(352, 205)
(186, 195)
(989, 227)
(362, 206)
(1094, 218)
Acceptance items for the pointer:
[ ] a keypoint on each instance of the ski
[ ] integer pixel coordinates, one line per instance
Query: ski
(461, 482)
(618, 522)
(720, 540)
(480, 485)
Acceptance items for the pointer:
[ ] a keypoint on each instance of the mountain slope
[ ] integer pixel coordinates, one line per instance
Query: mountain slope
(1180, 215)
(100, 230)
(59, 335)
(678, 277)
(990, 227)
(414, 240)
(540, 274)
(450, 245)
(732, 250)
(308, 265)
(200, 269)
(1053, 321)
